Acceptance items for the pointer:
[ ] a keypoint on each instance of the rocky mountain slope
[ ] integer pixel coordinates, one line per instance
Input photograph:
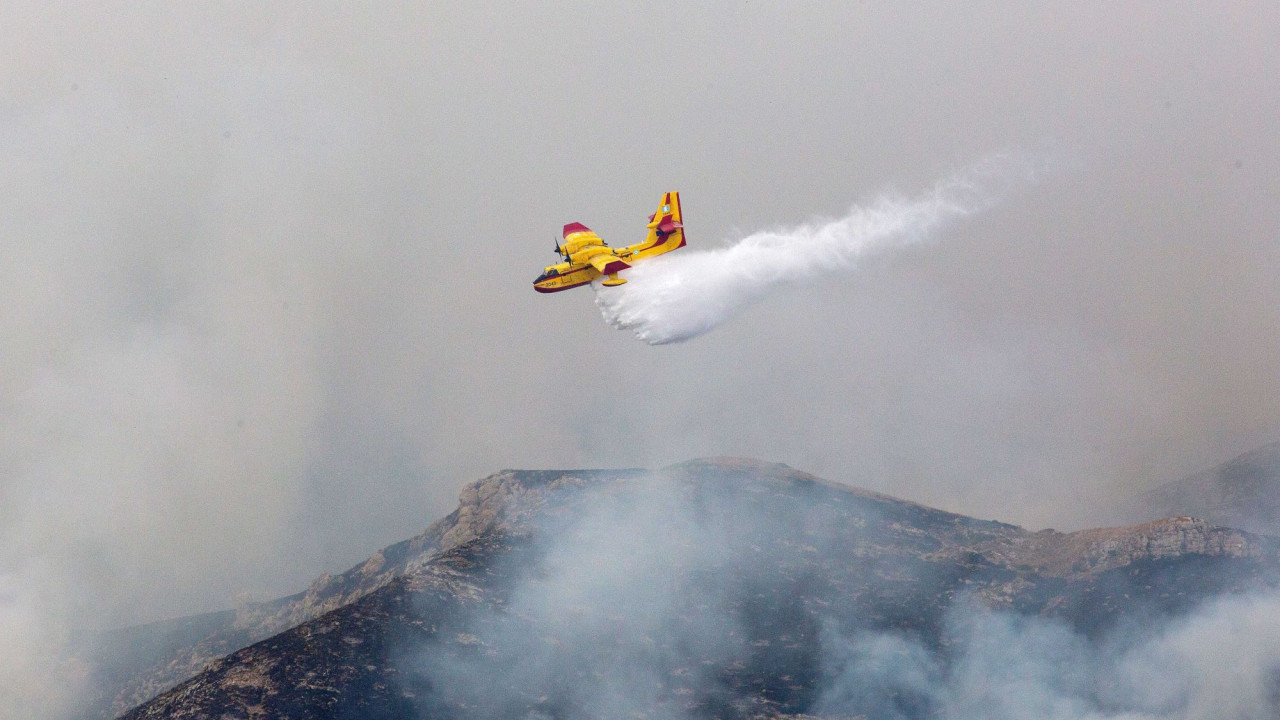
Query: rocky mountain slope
(137, 663)
(1243, 492)
(722, 588)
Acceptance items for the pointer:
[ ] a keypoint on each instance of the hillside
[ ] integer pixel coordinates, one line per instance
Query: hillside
(721, 588)
(134, 664)
(1243, 492)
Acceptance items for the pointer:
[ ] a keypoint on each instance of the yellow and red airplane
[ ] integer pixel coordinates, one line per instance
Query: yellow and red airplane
(587, 257)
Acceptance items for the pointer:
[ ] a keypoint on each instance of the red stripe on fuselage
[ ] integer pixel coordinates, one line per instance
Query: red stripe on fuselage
(561, 287)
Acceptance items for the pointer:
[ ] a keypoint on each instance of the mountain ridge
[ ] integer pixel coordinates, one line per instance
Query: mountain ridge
(483, 505)
(926, 560)
(1243, 492)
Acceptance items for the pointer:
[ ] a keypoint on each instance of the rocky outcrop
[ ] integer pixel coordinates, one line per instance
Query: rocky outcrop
(1092, 551)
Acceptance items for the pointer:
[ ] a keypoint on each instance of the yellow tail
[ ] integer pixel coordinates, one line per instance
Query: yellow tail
(666, 229)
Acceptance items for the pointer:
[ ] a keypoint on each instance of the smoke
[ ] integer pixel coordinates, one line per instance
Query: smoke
(649, 598)
(1221, 660)
(660, 599)
(37, 679)
(676, 297)
(620, 612)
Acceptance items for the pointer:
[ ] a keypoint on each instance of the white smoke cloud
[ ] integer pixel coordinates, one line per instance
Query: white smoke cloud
(679, 296)
(1221, 660)
(37, 679)
(601, 617)
(645, 599)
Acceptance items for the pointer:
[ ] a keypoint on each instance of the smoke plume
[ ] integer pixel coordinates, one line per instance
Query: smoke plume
(653, 598)
(676, 297)
(1217, 661)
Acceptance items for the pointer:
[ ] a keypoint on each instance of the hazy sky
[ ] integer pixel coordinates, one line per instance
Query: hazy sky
(265, 269)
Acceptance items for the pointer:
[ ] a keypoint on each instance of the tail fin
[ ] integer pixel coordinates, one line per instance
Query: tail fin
(666, 228)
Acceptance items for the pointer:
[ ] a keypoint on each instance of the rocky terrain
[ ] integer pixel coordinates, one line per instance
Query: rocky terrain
(135, 664)
(1243, 492)
(716, 588)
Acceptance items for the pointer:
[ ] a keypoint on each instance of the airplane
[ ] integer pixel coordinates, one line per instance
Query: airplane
(587, 257)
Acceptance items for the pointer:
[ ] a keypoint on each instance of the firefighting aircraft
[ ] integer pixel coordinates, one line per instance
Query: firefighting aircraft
(587, 257)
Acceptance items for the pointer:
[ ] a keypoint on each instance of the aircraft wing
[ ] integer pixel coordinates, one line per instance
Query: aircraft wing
(608, 263)
(578, 231)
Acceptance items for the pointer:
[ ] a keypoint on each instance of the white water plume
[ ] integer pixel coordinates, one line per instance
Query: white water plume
(681, 295)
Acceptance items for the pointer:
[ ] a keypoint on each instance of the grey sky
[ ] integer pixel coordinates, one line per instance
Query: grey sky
(265, 269)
